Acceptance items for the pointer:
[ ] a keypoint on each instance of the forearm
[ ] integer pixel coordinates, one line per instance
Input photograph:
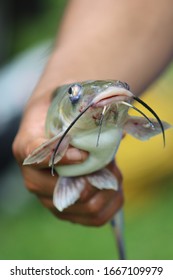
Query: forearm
(108, 39)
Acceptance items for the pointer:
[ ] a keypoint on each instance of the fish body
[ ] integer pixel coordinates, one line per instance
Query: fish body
(85, 132)
(92, 116)
(68, 103)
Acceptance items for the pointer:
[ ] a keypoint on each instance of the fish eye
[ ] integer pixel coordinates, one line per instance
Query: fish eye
(75, 92)
(70, 90)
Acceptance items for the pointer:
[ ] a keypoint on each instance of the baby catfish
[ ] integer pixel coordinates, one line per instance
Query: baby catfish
(92, 116)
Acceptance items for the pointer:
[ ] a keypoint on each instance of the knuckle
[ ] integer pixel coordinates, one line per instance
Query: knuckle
(102, 216)
(17, 150)
(94, 207)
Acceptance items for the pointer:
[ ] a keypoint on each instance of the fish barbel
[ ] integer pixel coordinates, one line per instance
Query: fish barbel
(91, 116)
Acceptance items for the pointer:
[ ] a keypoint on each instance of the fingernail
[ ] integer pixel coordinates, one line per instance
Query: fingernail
(76, 155)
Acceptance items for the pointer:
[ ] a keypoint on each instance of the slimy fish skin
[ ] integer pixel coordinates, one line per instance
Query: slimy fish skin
(91, 116)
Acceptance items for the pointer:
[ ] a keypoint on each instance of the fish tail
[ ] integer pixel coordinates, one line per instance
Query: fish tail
(117, 224)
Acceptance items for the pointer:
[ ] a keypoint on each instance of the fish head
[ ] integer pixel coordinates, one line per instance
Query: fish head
(98, 93)
(95, 95)
(91, 102)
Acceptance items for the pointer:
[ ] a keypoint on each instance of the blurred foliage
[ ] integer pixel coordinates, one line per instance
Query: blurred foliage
(33, 29)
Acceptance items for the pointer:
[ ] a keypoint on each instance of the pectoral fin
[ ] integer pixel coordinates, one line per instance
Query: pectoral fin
(103, 179)
(67, 191)
(140, 128)
(46, 149)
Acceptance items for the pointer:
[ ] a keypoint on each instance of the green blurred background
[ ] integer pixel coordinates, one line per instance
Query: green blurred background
(28, 231)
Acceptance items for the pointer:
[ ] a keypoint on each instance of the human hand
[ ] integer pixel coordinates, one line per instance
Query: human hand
(94, 207)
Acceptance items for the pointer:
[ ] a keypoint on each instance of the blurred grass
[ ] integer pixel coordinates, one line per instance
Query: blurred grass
(33, 233)
(149, 231)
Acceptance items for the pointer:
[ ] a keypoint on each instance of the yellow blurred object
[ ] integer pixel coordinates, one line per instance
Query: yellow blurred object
(146, 163)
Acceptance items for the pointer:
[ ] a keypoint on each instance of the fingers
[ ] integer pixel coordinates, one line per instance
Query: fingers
(39, 182)
(95, 212)
(72, 156)
(94, 208)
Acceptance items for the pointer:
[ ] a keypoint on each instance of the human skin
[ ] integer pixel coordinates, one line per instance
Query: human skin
(106, 39)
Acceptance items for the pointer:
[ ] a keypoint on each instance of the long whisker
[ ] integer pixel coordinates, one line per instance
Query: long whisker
(154, 114)
(139, 111)
(63, 136)
(100, 124)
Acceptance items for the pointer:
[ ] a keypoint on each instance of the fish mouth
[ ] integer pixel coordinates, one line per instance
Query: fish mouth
(111, 95)
(116, 94)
